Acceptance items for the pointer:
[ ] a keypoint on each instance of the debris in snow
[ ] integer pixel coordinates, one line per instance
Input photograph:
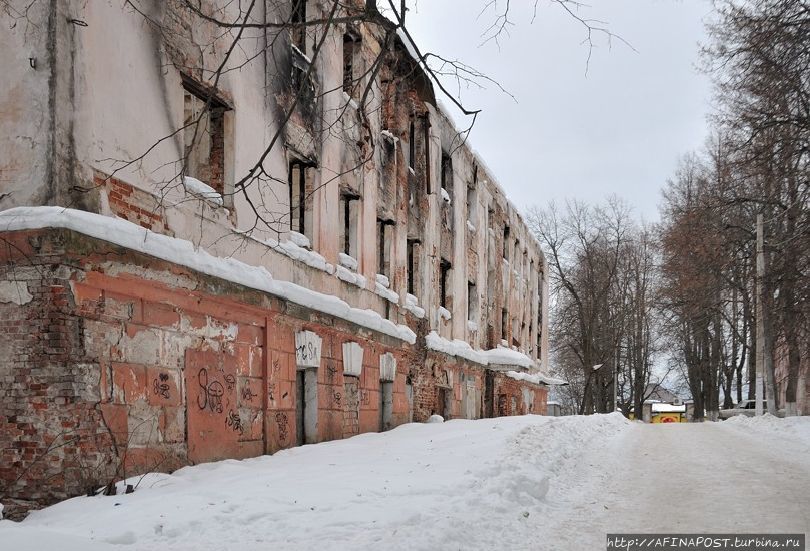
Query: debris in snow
(202, 190)
(445, 196)
(435, 419)
(412, 306)
(300, 239)
(179, 251)
(534, 378)
(444, 313)
(347, 261)
(461, 349)
(383, 280)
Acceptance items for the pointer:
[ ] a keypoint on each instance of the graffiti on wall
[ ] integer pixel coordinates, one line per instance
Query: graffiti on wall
(281, 423)
(210, 395)
(160, 386)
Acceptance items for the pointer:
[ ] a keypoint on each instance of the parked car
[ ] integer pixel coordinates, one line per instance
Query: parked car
(745, 407)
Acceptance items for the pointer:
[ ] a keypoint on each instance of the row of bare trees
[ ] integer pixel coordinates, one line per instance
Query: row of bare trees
(604, 274)
(755, 163)
(683, 295)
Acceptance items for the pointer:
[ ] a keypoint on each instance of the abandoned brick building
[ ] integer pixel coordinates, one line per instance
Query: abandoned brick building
(215, 252)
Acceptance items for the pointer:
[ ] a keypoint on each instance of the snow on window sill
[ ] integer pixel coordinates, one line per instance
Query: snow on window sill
(445, 314)
(385, 292)
(348, 262)
(446, 196)
(300, 239)
(202, 190)
(412, 306)
(348, 276)
(182, 252)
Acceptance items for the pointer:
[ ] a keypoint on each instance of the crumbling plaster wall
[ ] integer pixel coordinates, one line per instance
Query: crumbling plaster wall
(120, 81)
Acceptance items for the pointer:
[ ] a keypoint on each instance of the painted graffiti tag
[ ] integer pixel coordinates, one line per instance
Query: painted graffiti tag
(160, 386)
(281, 422)
(247, 393)
(210, 395)
(276, 367)
(307, 351)
(235, 422)
(336, 398)
(230, 380)
(271, 389)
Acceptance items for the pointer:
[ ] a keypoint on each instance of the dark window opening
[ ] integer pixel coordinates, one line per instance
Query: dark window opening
(472, 301)
(384, 229)
(351, 47)
(412, 144)
(386, 405)
(504, 323)
(298, 196)
(298, 18)
(348, 223)
(426, 145)
(506, 243)
(472, 203)
(204, 135)
(447, 174)
(413, 244)
(517, 336)
(444, 282)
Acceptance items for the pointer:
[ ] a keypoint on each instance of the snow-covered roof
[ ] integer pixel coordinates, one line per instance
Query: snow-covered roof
(179, 251)
(659, 407)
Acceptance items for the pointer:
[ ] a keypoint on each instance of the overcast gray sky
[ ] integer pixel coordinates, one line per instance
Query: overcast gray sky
(619, 128)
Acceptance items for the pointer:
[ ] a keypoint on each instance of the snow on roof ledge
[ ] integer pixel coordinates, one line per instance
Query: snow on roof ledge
(535, 378)
(179, 251)
(462, 349)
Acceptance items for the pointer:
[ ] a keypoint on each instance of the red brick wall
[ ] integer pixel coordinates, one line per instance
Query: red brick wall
(120, 363)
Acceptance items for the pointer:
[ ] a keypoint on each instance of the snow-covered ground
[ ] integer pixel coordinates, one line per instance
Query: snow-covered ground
(509, 483)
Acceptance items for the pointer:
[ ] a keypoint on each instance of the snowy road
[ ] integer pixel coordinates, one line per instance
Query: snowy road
(510, 483)
(718, 479)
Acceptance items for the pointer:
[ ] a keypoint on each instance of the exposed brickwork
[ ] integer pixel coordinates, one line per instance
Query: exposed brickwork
(109, 369)
(131, 203)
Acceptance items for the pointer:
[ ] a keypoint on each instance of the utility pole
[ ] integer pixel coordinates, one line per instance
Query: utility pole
(764, 356)
(760, 321)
